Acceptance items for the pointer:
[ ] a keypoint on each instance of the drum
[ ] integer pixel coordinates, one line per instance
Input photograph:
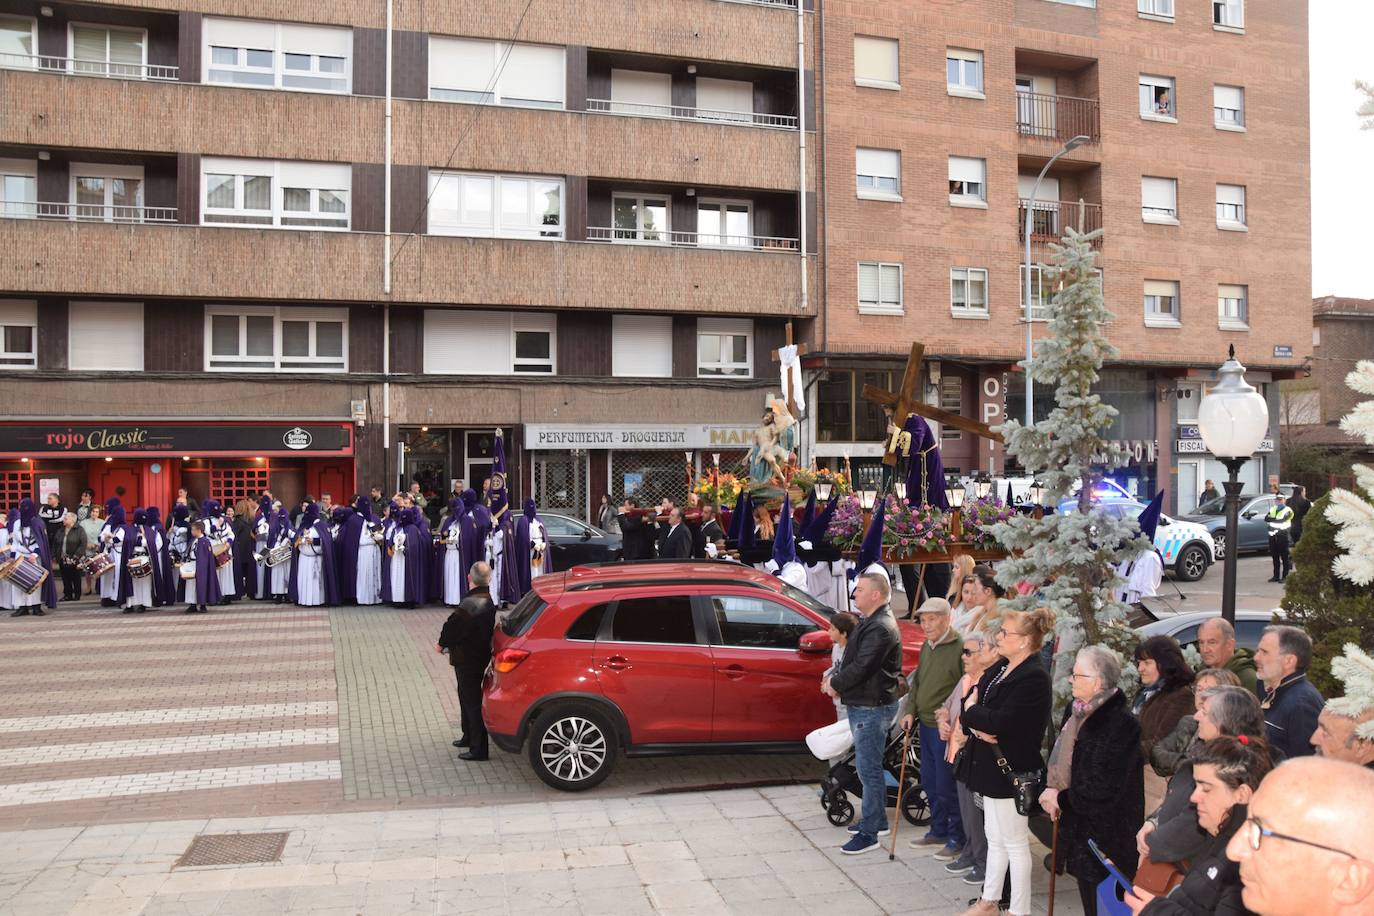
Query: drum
(140, 567)
(188, 570)
(223, 557)
(219, 548)
(278, 555)
(24, 574)
(98, 565)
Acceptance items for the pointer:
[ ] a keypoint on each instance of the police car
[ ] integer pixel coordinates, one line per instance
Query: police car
(1187, 547)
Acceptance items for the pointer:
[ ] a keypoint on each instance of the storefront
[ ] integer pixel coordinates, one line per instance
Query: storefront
(146, 463)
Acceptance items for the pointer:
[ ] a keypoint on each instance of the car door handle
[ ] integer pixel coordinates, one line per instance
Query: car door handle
(617, 663)
(734, 672)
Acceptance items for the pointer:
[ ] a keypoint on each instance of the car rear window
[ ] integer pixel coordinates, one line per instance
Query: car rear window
(523, 614)
(588, 624)
(662, 619)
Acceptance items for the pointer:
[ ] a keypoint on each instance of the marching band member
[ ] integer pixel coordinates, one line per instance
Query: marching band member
(164, 589)
(403, 569)
(313, 579)
(280, 533)
(341, 520)
(7, 590)
(179, 546)
(202, 590)
(262, 527)
(137, 590)
(453, 585)
(533, 552)
(363, 535)
(28, 538)
(221, 537)
(114, 521)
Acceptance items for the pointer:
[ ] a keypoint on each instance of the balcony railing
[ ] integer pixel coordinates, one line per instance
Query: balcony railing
(1052, 217)
(788, 4)
(1056, 117)
(685, 113)
(92, 213)
(75, 67)
(691, 239)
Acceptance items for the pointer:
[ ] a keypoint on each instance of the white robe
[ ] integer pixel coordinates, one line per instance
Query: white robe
(369, 574)
(398, 568)
(112, 543)
(281, 573)
(23, 543)
(6, 590)
(453, 565)
(1143, 575)
(141, 594)
(496, 557)
(310, 570)
(220, 533)
(539, 547)
(827, 582)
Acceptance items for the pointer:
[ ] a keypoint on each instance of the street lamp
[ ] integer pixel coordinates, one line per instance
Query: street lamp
(954, 495)
(823, 490)
(1232, 418)
(1073, 143)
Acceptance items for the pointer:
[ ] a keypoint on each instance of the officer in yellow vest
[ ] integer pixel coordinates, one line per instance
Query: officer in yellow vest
(1280, 520)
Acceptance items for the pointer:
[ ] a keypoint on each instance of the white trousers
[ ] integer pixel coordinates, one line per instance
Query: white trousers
(1008, 844)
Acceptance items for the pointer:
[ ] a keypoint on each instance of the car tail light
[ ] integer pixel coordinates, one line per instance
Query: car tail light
(507, 660)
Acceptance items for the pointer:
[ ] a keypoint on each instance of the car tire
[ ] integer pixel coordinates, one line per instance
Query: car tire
(1191, 564)
(1219, 540)
(573, 747)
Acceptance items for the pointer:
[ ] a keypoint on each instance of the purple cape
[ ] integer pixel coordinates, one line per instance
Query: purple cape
(206, 581)
(126, 553)
(930, 467)
(510, 592)
(414, 559)
(48, 591)
(523, 576)
(331, 584)
(346, 552)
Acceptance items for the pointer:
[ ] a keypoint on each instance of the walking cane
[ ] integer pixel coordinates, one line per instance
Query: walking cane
(1054, 860)
(901, 784)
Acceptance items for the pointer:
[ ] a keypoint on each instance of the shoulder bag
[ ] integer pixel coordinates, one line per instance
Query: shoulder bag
(1026, 787)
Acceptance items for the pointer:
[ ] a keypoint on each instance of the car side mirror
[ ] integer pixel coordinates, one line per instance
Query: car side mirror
(586, 534)
(816, 641)
(1247, 515)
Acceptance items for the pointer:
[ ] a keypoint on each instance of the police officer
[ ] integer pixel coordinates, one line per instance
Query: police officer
(1280, 520)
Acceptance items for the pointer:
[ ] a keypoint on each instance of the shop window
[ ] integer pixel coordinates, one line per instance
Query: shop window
(725, 347)
(271, 55)
(264, 192)
(18, 335)
(649, 476)
(228, 485)
(495, 72)
(276, 340)
(495, 206)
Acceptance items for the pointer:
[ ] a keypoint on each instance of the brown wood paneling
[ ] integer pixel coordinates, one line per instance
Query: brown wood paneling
(369, 457)
(684, 346)
(598, 77)
(160, 182)
(410, 65)
(409, 187)
(575, 208)
(188, 46)
(584, 345)
(365, 338)
(54, 183)
(407, 340)
(173, 336)
(575, 92)
(369, 61)
(368, 191)
(768, 336)
(188, 188)
(52, 333)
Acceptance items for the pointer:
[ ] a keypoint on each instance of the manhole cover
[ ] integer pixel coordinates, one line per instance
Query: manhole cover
(233, 849)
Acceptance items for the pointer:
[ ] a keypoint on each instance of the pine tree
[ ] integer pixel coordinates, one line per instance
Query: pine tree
(1072, 553)
(1351, 512)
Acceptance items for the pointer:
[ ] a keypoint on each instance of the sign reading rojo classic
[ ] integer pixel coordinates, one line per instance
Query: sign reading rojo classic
(78, 439)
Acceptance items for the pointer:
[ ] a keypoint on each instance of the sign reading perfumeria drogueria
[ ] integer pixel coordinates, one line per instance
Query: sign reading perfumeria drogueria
(639, 436)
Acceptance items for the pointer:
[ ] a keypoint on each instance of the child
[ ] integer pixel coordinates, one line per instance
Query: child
(204, 589)
(841, 626)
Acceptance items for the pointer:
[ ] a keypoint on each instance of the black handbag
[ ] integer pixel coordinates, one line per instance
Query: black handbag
(1026, 787)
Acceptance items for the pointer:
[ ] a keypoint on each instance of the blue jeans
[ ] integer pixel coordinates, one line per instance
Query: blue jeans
(937, 778)
(869, 725)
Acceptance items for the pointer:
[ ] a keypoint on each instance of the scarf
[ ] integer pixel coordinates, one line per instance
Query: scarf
(1061, 758)
(1144, 695)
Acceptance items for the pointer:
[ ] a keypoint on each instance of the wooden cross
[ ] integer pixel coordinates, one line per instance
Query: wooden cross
(907, 402)
(777, 357)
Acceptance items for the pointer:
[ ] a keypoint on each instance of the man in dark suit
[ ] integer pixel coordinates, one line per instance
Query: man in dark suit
(710, 532)
(677, 543)
(637, 533)
(466, 637)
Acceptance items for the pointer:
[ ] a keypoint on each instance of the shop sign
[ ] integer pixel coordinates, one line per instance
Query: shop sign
(635, 436)
(1137, 451)
(1189, 432)
(76, 439)
(1198, 447)
(1281, 351)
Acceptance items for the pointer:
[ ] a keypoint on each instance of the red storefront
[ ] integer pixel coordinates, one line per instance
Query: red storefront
(145, 463)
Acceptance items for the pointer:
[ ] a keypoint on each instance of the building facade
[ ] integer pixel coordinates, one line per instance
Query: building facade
(589, 237)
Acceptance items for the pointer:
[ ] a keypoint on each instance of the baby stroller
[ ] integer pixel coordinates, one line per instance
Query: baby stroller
(843, 778)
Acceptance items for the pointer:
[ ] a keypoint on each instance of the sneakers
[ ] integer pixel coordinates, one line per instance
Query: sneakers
(950, 853)
(975, 877)
(929, 841)
(860, 844)
(961, 865)
(853, 830)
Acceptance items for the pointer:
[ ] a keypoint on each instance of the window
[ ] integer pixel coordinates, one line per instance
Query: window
(966, 182)
(842, 413)
(462, 342)
(1228, 107)
(495, 206)
(876, 62)
(1042, 291)
(495, 72)
(879, 173)
(19, 188)
(18, 43)
(964, 72)
(661, 619)
(1159, 200)
(639, 92)
(968, 291)
(1164, 9)
(588, 623)
(18, 333)
(230, 484)
(880, 287)
(105, 51)
(951, 401)
(276, 339)
(263, 192)
(1231, 206)
(641, 218)
(757, 623)
(725, 223)
(725, 347)
(1161, 302)
(1228, 14)
(1157, 98)
(641, 346)
(278, 55)
(112, 193)
(105, 335)
(1233, 306)
(725, 100)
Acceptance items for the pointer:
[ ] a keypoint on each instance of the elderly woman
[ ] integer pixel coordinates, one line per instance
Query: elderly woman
(1169, 751)
(1172, 833)
(1094, 785)
(1227, 771)
(1165, 696)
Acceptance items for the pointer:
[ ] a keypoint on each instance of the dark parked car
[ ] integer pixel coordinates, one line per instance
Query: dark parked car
(1253, 532)
(577, 543)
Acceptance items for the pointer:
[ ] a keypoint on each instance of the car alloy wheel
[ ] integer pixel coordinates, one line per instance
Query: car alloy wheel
(1192, 563)
(573, 748)
(1220, 541)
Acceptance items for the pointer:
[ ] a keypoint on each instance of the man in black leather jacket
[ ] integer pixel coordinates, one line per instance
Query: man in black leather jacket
(466, 637)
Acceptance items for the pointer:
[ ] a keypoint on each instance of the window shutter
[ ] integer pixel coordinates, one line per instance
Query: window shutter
(126, 47)
(331, 175)
(88, 44)
(1049, 189)
(467, 343)
(637, 87)
(18, 311)
(641, 346)
(875, 59)
(965, 169)
(868, 283)
(1230, 291)
(463, 64)
(1159, 193)
(725, 95)
(1226, 96)
(328, 41)
(890, 284)
(533, 73)
(1161, 288)
(885, 163)
(1231, 194)
(105, 335)
(240, 33)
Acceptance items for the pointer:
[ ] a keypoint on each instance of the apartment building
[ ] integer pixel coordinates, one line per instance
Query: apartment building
(936, 120)
(590, 237)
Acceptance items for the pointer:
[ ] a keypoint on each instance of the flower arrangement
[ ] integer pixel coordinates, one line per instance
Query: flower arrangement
(718, 488)
(908, 530)
(846, 531)
(979, 517)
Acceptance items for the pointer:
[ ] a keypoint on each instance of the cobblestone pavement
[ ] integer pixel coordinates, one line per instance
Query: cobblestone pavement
(754, 852)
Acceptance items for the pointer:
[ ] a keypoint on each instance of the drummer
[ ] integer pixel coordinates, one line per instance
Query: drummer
(6, 590)
(138, 561)
(221, 536)
(280, 533)
(112, 542)
(29, 539)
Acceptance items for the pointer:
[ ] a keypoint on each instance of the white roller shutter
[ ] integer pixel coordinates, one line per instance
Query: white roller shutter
(330, 175)
(533, 73)
(467, 343)
(88, 44)
(735, 96)
(885, 163)
(1227, 97)
(105, 335)
(1159, 194)
(463, 64)
(1049, 188)
(875, 59)
(329, 41)
(641, 346)
(868, 283)
(1231, 194)
(631, 88)
(890, 284)
(962, 168)
(241, 33)
(1161, 288)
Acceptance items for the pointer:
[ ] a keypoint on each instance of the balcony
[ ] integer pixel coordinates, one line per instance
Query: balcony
(86, 212)
(684, 113)
(692, 239)
(1057, 117)
(72, 66)
(1052, 218)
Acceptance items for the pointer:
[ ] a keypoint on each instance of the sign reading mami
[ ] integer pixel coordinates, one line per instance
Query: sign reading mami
(635, 436)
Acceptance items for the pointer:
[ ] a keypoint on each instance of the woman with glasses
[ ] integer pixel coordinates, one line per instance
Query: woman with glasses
(1005, 718)
(1226, 772)
(1169, 752)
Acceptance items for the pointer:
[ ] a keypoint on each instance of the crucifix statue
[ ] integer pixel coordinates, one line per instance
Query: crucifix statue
(789, 357)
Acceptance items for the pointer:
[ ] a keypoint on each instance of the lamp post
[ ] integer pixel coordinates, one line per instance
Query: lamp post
(1073, 143)
(1232, 419)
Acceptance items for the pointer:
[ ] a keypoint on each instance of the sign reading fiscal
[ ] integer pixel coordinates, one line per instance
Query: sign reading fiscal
(1198, 447)
(77, 439)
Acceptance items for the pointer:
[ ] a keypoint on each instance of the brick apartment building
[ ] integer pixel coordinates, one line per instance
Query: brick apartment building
(602, 214)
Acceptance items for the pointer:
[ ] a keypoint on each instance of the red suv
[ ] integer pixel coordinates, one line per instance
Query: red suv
(658, 658)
